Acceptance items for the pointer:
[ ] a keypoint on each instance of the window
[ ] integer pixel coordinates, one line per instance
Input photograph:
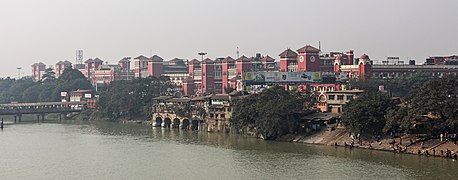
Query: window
(332, 97)
(350, 97)
(340, 97)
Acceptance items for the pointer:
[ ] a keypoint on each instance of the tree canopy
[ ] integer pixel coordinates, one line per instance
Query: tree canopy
(437, 99)
(46, 90)
(132, 99)
(274, 112)
(366, 114)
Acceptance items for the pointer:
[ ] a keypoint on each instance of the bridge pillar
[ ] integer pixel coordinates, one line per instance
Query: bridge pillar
(15, 119)
(42, 117)
(20, 118)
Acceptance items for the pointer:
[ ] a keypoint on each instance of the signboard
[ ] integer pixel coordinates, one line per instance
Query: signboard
(88, 96)
(282, 77)
(63, 94)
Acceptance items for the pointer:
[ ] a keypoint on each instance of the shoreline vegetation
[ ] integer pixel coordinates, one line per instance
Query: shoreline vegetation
(422, 119)
(425, 109)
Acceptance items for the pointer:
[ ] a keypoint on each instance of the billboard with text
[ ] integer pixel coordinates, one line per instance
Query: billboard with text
(282, 77)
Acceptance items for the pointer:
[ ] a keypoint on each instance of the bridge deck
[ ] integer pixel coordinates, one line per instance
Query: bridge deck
(41, 108)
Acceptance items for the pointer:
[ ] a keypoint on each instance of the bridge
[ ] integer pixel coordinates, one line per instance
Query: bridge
(40, 109)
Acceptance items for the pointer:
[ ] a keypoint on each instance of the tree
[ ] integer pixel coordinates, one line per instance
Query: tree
(71, 74)
(274, 112)
(437, 98)
(49, 76)
(132, 99)
(31, 94)
(366, 114)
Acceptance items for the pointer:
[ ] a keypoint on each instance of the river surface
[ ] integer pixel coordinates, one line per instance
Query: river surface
(105, 150)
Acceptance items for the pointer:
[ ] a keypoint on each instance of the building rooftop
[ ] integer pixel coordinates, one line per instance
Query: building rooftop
(179, 100)
(156, 58)
(267, 59)
(207, 61)
(347, 91)
(162, 98)
(288, 53)
(244, 59)
(308, 48)
(141, 57)
(224, 97)
(228, 59)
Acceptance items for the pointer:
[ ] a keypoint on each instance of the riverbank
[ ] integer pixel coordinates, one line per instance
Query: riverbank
(408, 144)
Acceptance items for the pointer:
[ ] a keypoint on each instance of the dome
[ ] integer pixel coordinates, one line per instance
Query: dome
(364, 56)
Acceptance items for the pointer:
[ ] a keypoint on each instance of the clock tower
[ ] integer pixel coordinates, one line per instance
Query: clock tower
(308, 59)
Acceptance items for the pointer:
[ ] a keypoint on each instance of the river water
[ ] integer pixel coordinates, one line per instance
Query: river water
(105, 150)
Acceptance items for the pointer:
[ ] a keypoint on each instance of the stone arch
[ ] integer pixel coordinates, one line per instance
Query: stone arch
(157, 122)
(176, 123)
(167, 122)
(194, 124)
(185, 124)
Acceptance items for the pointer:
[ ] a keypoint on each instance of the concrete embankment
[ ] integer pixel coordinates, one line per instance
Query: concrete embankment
(404, 144)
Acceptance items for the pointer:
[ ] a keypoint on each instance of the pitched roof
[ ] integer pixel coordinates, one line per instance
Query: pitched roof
(89, 61)
(141, 57)
(207, 61)
(267, 59)
(308, 48)
(194, 61)
(97, 60)
(67, 62)
(228, 59)
(58, 63)
(156, 58)
(288, 53)
(244, 59)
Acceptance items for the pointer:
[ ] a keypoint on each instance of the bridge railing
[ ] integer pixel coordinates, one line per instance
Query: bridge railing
(41, 107)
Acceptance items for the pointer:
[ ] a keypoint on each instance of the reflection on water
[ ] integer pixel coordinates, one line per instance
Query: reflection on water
(104, 150)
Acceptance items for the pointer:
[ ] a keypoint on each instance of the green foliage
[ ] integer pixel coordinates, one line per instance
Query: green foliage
(49, 76)
(437, 98)
(366, 114)
(274, 112)
(399, 87)
(129, 99)
(47, 90)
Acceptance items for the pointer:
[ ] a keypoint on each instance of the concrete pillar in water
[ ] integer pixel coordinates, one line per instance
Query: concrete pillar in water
(43, 117)
(38, 118)
(15, 119)
(20, 117)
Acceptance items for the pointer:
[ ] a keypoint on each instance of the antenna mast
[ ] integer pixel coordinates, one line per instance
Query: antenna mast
(238, 53)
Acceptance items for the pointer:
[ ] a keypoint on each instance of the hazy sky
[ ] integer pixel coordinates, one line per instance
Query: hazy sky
(51, 30)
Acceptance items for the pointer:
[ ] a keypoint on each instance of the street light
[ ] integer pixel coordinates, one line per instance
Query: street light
(202, 54)
(19, 72)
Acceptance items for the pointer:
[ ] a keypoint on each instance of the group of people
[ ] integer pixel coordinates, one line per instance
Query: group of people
(447, 153)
